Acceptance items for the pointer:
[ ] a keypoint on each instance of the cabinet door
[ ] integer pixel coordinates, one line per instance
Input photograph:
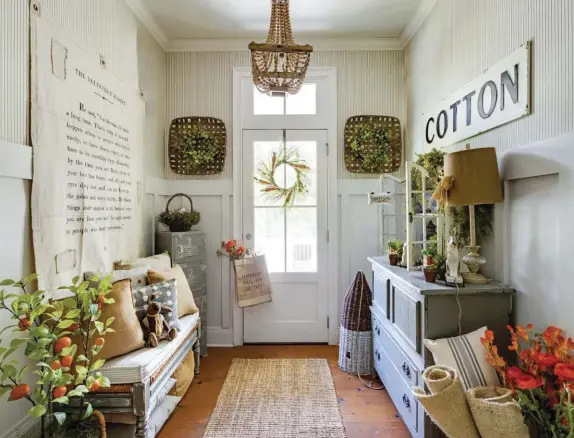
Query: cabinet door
(407, 317)
(382, 293)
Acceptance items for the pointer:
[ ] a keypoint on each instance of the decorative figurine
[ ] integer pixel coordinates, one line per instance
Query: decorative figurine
(453, 276)
(404, 256)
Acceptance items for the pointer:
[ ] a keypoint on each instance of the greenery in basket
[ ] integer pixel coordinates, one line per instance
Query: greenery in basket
(179, 220)
(200, 147)
(370, 145)
(43, 331)
(433, 163)
(395, 246)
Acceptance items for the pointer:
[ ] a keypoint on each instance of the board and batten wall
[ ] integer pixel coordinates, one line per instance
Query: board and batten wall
(201, 84)
(107, 27)
(458, 41)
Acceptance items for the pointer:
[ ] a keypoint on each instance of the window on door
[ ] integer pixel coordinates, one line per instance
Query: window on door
(286, 235)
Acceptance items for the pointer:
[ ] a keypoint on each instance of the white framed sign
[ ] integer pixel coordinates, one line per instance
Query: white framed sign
(497, 96)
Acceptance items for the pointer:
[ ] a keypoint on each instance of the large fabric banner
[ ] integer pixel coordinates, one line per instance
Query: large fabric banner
(88, 160)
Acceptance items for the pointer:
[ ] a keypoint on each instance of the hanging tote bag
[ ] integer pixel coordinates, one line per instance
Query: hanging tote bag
(252, 281)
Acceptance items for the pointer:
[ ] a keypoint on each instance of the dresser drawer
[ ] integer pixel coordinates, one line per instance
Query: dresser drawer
(382, 293)
(400, 392)
(406, 317)
(188, 248)
(404, 366)
(195, 275)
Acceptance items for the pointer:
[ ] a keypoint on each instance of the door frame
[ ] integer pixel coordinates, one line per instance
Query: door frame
(328, 122)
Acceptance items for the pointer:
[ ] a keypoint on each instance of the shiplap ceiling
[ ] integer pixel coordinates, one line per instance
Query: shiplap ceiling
(207, 19)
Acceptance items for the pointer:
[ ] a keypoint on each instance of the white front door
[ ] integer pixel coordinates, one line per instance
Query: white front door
(293, 239)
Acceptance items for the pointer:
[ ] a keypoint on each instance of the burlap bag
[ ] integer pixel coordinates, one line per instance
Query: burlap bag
(496, 414)
(446, 404)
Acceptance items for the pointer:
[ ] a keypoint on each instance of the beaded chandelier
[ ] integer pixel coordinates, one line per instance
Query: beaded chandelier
(279, 65)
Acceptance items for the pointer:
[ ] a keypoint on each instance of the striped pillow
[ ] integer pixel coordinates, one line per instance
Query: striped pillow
(467, 356)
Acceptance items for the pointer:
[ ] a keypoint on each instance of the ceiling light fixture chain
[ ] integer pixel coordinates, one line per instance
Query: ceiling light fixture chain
(279, 66)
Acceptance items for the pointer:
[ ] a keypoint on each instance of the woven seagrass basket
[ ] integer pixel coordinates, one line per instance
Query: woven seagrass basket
(356, 338)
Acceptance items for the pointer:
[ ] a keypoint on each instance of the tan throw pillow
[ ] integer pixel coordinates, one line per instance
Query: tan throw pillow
(185, 302)
(159, 262)
(128, 335)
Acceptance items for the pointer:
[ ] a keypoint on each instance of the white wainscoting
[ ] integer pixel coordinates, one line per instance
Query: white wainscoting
(359, 237)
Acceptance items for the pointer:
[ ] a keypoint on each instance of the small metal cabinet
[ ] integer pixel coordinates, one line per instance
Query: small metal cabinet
(407, 310)
(188, 250)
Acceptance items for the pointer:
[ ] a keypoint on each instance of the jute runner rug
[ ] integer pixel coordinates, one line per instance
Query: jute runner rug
(277, 398)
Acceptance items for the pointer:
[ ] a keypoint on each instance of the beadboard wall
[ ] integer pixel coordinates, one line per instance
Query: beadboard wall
(107, 27)
(369, 82)
(458, 41)
(462, 38)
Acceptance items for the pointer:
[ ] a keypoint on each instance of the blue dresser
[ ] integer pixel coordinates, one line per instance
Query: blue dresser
(406, 310)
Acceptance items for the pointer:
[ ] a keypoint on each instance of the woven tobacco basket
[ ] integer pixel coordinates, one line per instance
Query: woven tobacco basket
(180, 131)
(392, 126)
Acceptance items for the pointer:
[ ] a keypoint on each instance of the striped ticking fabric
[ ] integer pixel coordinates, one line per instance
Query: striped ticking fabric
(470, 372)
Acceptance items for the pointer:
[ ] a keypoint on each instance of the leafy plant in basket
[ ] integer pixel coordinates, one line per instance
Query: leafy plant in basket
(369, 145)
(179, 220)
(200, 148)
(63, 370)
(542, 378)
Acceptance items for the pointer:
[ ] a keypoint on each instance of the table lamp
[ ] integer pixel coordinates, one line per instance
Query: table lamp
(474, 181)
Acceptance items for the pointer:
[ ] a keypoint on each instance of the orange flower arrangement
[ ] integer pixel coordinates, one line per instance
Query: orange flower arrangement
(542, 379)
(233, 251)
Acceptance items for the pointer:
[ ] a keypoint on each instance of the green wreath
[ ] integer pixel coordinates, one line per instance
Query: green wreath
(200, 147)
(274, 191)
(369, 145)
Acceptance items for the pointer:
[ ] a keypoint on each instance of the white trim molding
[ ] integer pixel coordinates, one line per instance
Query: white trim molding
(423, 11)
(148, 20)
(323, 44)
(16, 160)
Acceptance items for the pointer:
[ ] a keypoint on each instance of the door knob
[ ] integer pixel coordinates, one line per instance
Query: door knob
(249, 236)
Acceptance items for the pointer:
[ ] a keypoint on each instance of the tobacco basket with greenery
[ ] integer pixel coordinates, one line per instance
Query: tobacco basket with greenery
(64, 370)
(200, 149)
(369, 145)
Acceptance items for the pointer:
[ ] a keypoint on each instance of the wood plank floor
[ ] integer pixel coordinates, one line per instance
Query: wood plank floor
(366, 413)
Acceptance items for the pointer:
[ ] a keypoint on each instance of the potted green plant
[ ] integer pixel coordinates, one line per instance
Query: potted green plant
(440, 262)
(430, 273)
(430, 253)
(394, 247)
(63, 369)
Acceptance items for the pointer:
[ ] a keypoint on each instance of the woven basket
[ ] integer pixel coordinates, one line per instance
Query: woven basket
(179, 128)
(393, 128)
(356, 338)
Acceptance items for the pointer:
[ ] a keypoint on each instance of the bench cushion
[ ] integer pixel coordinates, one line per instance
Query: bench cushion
(146, 363)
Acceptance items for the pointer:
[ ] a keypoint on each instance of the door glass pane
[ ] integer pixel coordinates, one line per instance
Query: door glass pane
(265, 105)
(302, 239)
(262, 153)
(308, 152)
(304, 102)
(269, 236)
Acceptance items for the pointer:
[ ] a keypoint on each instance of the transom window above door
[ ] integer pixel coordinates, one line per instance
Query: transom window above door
(302, 103)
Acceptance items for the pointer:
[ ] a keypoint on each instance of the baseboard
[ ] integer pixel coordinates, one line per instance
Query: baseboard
(28, 427)
(219, 337)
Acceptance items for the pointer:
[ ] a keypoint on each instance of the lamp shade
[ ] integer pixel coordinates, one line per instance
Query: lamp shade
(476, 177)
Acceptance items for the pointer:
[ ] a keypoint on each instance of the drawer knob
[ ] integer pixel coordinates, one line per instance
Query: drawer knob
(378, 331)
(407, 370)
(378, 355)
(406, 402)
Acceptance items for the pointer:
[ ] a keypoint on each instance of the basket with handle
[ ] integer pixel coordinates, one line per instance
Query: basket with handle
(180, 220)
